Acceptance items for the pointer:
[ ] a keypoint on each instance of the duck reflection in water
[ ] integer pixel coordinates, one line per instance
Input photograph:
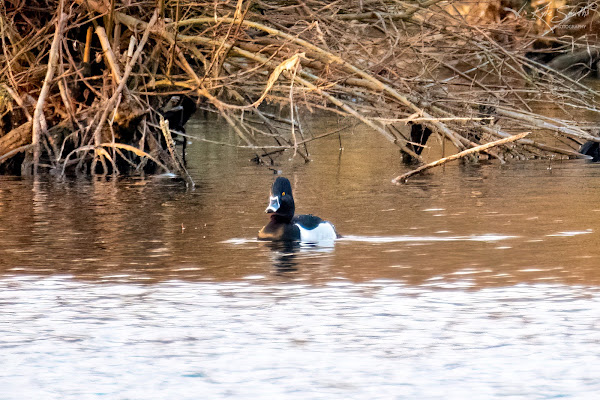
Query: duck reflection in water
(284, 256)
(287, 256)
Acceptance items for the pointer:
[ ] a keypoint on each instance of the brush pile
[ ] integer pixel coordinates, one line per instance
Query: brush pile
(105, 87)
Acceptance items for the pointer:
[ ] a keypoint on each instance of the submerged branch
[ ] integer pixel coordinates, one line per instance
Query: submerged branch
(403, 178)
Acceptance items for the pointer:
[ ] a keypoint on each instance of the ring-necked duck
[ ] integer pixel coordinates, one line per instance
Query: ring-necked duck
(285, 226)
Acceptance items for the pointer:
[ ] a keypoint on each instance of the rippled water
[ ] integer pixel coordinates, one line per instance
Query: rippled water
(469, 282)
(378, 339)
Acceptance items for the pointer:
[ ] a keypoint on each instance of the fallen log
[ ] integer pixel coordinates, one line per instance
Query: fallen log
(575, 59)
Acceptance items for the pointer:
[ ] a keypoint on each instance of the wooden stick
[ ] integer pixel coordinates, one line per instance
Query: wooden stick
(128, 68)
(402, 178)
(532, 143)
(17, 100)
(328, 57)
(401, 15)
(538, 122)
(110, 57)
(88, 45)
(127, 147)
(134, 22)
(11, 153)
(177, 161)
(38, 113)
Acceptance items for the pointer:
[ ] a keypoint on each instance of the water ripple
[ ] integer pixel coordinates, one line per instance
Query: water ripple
(65, 339)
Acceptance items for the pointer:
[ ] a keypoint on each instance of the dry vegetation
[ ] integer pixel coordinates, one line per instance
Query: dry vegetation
(85, 83)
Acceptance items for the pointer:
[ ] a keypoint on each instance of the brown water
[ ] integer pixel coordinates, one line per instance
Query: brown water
(476, 281)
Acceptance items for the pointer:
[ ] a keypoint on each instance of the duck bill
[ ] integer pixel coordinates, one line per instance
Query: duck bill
(273, 204)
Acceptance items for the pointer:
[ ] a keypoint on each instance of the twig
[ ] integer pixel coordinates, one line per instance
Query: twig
(38, 114)
(164, 127)
(109, 55)
(127, 147)
(111, 102)
(402, 178)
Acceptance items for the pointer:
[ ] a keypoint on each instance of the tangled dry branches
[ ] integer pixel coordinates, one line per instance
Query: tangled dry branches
(85, 84)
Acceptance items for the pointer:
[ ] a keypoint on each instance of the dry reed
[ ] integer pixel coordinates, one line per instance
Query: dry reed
(91, 76)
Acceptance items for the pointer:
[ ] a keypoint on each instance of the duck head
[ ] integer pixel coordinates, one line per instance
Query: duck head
(281, 201)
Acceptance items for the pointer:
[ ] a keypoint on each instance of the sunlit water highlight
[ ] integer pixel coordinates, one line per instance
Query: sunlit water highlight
(399, 239)
(63, 339)
(490, 237)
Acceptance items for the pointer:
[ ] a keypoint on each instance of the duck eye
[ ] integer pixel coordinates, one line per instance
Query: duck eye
(283, 193)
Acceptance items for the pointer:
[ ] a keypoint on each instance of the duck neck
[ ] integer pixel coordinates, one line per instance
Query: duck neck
(282, 218)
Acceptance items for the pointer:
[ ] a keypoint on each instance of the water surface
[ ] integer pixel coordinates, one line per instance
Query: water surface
(470, 281)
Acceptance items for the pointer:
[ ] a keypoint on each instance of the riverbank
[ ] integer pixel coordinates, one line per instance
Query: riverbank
(88, 89)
